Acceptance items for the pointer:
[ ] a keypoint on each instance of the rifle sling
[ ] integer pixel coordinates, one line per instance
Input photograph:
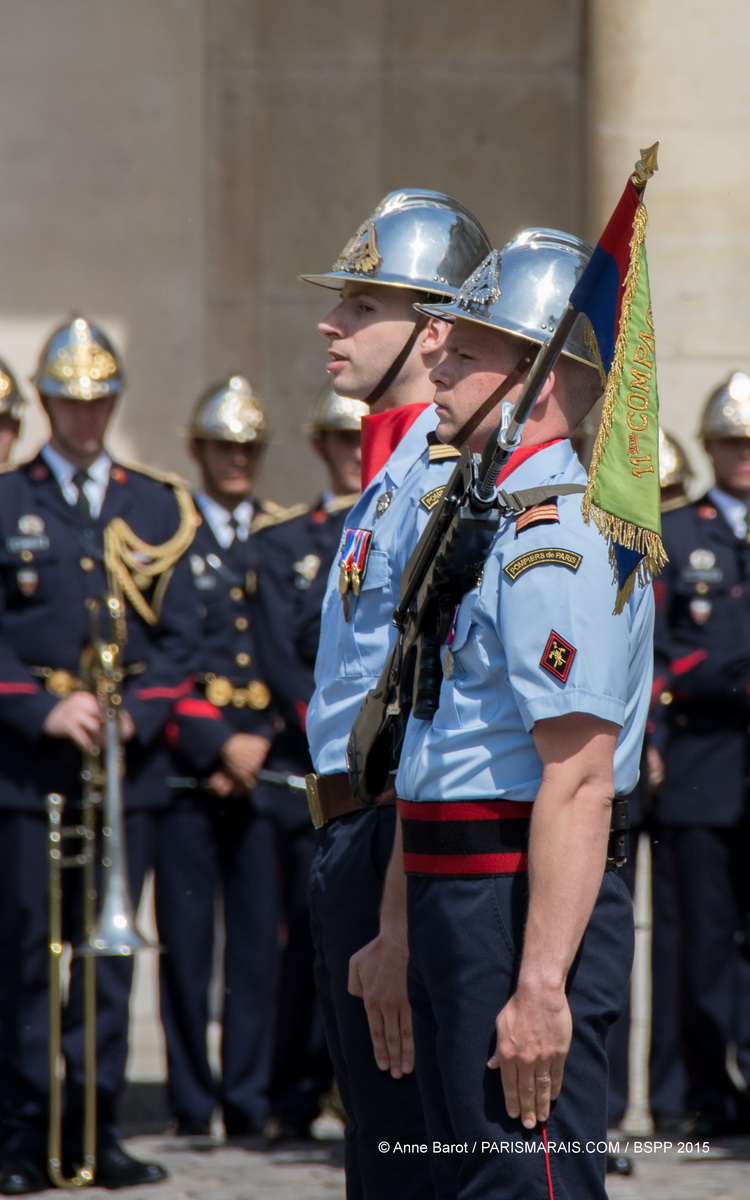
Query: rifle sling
(518, 502)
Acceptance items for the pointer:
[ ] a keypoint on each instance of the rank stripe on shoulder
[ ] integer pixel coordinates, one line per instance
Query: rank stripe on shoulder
(539, 558)
(439, 452)
(540, 514)
(430, 499)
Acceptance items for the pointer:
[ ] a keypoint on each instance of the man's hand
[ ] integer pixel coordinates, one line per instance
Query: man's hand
(533, 1037)
(126, 725)
(222, 784)
(655, 764)
(242, 756)
(377, 973)
(76, 718)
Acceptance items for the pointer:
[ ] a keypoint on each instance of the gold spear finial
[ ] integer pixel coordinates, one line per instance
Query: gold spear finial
(646, 166)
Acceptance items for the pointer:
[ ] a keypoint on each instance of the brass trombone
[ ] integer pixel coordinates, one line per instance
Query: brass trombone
(113, 931)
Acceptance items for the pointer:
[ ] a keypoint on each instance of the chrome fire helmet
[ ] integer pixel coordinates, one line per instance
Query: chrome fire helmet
(230, 411)
(415, 239)
(332, 411)
(523, 289)
(674, 468)
(11, 397)
(78, 361)
(727, 411)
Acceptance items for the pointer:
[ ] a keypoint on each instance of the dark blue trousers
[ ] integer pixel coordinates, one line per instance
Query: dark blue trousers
(24, 989)
(346, 886)
(301, 1073)
(213, 851)
(712, 889)
(465, 942)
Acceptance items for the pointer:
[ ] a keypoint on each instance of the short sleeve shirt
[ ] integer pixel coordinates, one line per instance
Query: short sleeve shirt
(395, 507)
(537, 638)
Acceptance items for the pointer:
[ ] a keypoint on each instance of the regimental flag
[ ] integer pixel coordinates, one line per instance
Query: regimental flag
(623, 489)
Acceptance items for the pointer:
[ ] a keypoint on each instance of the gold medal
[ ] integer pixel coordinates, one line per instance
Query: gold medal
(343, 578)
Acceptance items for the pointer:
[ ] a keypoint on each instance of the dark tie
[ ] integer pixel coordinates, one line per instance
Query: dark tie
(233, 526)
(82, 506)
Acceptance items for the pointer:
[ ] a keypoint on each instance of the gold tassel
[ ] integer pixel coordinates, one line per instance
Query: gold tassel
(613, 383)
(126, 555)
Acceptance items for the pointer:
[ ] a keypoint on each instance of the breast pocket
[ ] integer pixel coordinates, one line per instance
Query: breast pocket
(369, 634)
(471, 690)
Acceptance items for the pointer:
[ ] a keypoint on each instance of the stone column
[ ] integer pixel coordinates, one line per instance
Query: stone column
(679, 72)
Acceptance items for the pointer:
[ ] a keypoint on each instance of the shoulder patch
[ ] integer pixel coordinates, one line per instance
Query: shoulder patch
(540, 514)
(541, 558)
(430, 499)
(706, 512)
(558, 656)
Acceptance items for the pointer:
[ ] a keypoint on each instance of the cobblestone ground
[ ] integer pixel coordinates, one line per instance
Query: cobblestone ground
(313, 1171)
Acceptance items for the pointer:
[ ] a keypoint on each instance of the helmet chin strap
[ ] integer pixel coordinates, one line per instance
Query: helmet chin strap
(381, 388)
(499, 394)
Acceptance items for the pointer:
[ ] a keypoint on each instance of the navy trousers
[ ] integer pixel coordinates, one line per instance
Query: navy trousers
(212, 851)
(346, 886)
(465, 941)
(24, 989)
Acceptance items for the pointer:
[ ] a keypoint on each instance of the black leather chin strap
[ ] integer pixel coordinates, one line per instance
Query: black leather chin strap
(499, 394)
(381, 388)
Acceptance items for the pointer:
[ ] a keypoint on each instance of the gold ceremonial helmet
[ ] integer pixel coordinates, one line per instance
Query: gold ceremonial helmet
(727, 411)
(332, 411)
(11, 397)
(78, 361)
(230, 412)
(674, 468)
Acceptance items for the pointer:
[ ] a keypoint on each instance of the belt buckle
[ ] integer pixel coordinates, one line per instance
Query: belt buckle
(61, 683)
(313, 800)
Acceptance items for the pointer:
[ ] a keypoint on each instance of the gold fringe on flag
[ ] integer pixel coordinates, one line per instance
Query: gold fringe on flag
(613, 528)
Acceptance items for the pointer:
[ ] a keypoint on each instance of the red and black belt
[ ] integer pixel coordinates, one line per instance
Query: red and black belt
(470, 838)
(465, 837)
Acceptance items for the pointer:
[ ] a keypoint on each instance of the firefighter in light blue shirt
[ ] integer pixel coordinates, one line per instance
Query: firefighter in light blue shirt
(520, 941)
(415, 245)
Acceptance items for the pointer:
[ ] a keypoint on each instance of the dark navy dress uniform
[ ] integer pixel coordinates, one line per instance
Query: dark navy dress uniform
(702, 720)
(51, 563)
(214, 850)
(295, 558)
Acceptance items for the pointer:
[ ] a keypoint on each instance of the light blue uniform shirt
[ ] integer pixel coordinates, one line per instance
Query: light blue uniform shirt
(352, 653)
(479, 743)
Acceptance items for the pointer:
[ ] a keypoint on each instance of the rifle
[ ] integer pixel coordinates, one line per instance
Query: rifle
(445, 564)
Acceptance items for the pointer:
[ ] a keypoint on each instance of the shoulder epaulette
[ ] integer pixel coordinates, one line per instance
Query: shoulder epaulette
(673, 505)
(274, 514)
(337, 504)
(438, 451)
(171, 477)
(7, 467)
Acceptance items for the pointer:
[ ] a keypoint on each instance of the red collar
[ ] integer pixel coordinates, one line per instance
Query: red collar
(521, 455)
(381, 434)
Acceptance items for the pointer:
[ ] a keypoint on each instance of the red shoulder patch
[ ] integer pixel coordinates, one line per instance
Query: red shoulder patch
(319, 516)
(558, 656)
(118, 475)
(38, 472)
(706, 512)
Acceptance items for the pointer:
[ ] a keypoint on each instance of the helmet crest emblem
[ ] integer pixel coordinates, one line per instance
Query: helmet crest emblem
(483, 285)
(361, 251)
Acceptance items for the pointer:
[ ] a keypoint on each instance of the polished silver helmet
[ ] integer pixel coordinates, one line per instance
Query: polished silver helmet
(11, 398)
(230, 412)
(727, 411)
(524, 289)
(78, 361)
(332, 411)
(674, 468)
(414, 239)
